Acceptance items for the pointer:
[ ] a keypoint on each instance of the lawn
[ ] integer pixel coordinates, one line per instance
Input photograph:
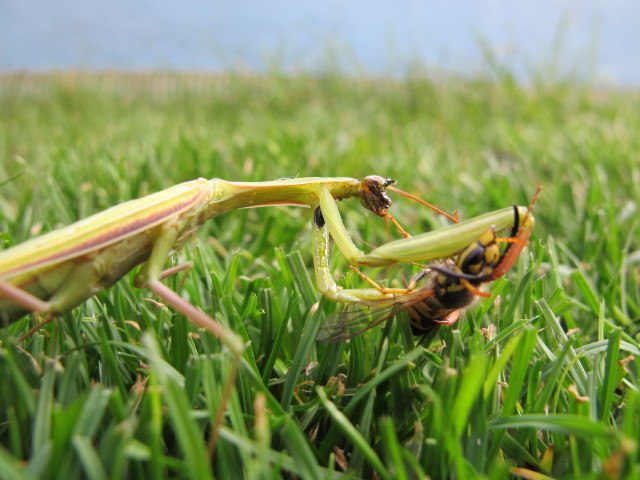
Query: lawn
(538, 380)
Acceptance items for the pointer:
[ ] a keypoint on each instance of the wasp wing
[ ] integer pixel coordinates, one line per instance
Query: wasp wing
(356, 319)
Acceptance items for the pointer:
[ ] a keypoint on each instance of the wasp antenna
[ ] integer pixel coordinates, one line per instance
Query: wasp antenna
(459, 275)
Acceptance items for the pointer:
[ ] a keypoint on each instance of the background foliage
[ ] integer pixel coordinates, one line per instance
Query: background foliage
(541, 379)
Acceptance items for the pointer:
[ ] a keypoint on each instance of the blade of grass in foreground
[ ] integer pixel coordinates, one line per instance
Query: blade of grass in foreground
(11, 468)
(354, 437)
(188, 434)
(613, 375)
(576, 369)
(392, 448)
(567, 424)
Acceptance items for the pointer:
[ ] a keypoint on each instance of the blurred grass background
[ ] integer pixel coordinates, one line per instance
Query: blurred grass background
(91, 395)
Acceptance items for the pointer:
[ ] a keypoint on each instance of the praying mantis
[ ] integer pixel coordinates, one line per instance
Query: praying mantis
(53, 273)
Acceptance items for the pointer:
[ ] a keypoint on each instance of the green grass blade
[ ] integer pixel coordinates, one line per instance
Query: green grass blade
(519, 369)
(392, 449)
(11, 468)
(612, 375)
(566, 424)
(89, 458)
(306, 342)
(187, 432)
(577, 370)
(471, 382)
(353, 436)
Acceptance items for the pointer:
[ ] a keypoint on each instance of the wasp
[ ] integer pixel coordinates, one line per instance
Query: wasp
(439, 293)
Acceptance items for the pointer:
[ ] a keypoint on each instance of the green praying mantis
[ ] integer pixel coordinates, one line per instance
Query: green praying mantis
(54, 273)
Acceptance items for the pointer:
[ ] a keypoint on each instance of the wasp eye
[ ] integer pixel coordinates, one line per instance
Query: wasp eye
(474, 261)
(492, 254)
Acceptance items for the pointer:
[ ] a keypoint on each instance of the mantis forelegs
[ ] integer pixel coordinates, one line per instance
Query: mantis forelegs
(321, 258)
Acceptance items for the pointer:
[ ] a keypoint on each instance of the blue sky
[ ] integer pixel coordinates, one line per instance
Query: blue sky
(597, 38)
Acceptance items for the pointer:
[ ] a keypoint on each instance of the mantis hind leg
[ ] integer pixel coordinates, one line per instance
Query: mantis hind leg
(29, 302)
(229, 338)
(150, 276)
(23, 298)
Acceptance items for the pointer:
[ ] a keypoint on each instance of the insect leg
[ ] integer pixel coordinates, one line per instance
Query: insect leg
(378, 287)
(328, 218)
(23, 298)
(150, 275)
(70, 290)
(321, 261)
(401, 230)
(169, 272)
(28, 302)
(450, 319)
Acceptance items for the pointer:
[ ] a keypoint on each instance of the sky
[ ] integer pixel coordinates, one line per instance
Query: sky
(598, 39)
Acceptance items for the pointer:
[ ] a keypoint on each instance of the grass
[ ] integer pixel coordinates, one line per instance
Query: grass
(540, 381)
